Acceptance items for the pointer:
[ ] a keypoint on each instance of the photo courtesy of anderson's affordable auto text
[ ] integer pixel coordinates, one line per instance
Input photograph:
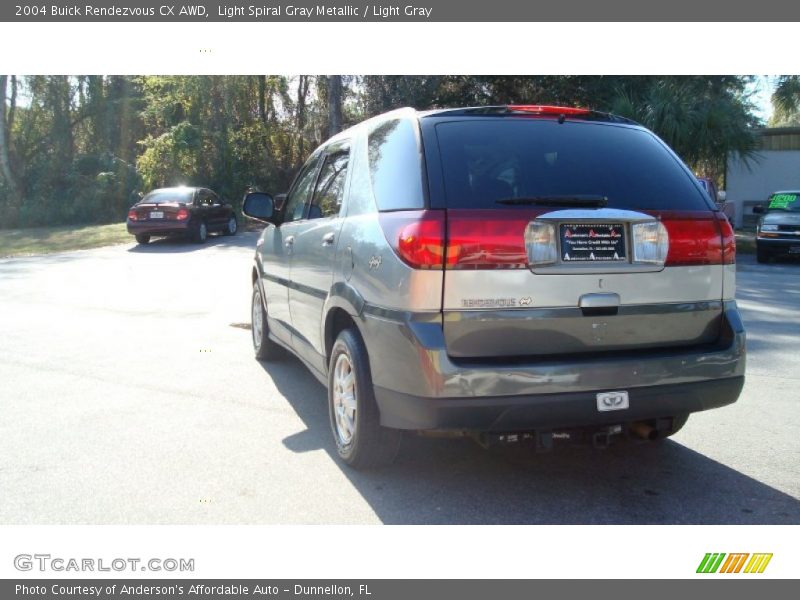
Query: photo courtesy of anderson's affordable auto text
(510, 308)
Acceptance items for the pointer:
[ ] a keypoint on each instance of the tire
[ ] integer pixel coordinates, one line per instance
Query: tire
(232, 227)
(200, 233)
(142, 238)
(264, 348)
(361, 441)
(762, 255)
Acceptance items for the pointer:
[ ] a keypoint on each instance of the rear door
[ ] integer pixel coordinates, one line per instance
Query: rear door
(314, 252)
(571, 237)
(204, 203)
(218, 212)
(278, 249)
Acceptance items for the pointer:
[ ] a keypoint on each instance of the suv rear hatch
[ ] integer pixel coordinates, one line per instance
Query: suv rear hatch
(571, 233)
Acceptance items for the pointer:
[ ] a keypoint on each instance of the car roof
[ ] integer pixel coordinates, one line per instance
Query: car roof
(787, 192)
(526, 110)
(502, 110)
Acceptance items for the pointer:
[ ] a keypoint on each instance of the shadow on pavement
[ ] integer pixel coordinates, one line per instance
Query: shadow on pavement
(437, 481)
(179, 244)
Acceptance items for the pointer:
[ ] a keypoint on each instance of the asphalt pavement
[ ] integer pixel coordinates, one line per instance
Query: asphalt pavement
(129, 395)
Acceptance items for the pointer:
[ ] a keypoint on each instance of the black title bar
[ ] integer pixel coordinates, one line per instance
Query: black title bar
(388, 589)
(404, 11)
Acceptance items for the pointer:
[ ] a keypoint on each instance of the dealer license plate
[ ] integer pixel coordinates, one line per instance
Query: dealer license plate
(593, 242)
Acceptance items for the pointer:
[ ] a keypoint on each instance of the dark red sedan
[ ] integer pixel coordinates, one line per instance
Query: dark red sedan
(189, 211)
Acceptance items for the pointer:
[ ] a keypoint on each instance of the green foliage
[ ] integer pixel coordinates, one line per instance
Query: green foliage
(786, 102)
(82, 148)
(171, 158)
(704, 119)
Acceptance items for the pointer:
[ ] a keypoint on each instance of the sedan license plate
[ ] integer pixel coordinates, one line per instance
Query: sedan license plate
(156, 214)
(593, 242)
(612, 401)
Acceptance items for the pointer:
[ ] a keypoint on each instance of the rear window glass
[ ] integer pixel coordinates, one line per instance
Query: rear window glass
(170, 195)
(484, 161)
(395, 165)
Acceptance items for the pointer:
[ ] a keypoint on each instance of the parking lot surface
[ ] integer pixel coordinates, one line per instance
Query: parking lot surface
(129, 394)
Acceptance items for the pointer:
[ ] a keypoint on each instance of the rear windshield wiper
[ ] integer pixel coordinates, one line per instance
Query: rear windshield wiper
(574, 200)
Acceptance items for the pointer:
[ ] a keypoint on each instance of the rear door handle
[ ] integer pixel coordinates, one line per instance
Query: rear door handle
(328, 239)
(599, 301)
(599, 305)
(289, 242)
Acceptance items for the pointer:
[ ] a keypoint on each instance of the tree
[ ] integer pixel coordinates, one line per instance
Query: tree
(6, 123)
(334, 104)
(704, 119)
(786, 101)
(303, 84)
(79, 146)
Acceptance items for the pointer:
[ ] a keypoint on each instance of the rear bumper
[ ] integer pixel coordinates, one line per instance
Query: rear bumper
(157, 227)
(418, 386)
(551, 411)
(778, 244)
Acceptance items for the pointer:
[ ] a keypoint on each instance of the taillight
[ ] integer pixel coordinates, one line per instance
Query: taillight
(132, 215)
(182, 214)
(417, 236)
(728, 240)
(487, 239)
(694, 239)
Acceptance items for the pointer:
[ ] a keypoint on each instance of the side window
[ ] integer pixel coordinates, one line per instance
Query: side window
(329, 193)
(300, 196)
(213, 198)
(395, 165)
(205, 198)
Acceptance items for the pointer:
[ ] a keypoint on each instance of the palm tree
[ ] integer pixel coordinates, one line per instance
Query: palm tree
(704, 119)
(786, 98)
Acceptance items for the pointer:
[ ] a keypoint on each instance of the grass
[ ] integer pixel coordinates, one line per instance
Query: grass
(46, 240)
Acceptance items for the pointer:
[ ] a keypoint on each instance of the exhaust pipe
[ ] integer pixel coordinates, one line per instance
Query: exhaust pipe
(644, 431)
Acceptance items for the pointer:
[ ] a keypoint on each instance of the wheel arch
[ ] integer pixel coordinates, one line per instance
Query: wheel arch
(342, 310)
(336, 321)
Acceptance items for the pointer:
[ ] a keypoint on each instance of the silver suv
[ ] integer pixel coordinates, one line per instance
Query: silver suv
(509, 273)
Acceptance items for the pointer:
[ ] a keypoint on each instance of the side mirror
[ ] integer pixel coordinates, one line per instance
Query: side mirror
(259, 206)
(758, 210)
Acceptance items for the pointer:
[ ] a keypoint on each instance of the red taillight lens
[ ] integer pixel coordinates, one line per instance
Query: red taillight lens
(728, 240)
(182, 214)
(417, 236)
(538, 109)
(694, 239)
(487, 239)
(132, 215)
